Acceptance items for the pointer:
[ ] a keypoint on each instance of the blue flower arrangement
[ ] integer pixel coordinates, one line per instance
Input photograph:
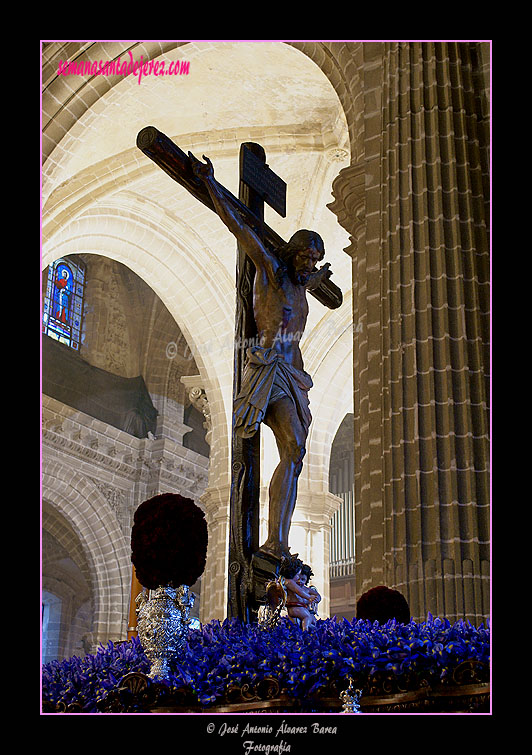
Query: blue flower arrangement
(305, 663)
(86, 681)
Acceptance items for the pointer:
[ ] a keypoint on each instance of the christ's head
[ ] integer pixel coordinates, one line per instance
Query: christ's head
(304, 250)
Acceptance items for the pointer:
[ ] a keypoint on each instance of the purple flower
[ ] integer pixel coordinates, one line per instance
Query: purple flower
(221, 654)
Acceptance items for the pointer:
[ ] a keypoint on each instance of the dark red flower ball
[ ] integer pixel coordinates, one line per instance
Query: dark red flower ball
(168, 541)
(382, 604)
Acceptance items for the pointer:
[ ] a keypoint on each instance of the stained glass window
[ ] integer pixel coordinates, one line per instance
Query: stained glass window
(63, 301)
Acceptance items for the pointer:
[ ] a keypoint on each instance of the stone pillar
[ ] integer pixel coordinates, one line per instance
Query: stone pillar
(215, 503)
(214, 582)
(416, 209)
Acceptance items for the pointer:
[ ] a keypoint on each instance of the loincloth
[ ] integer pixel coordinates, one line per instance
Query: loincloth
(297, 605)
(267, 377)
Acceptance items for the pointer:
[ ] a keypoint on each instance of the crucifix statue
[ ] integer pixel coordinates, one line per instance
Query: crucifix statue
(270, 386)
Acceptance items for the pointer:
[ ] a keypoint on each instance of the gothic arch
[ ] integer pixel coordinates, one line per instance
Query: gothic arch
(336, 61)
(67, 588)
(85, 508)
(180, 271)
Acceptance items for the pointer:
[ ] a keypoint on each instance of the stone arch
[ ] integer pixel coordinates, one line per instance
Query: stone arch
(180, 271)
(104, 546)
(328, 358)
(67, 588)
(341, 63)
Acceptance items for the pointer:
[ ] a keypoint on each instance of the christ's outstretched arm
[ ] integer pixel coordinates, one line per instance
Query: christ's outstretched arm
(246, 236)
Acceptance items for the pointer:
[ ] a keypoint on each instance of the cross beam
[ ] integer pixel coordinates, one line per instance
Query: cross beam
(170, 158)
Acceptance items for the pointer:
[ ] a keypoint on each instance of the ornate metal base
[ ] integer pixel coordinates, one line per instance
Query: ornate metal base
(137, 693)
(163, 624)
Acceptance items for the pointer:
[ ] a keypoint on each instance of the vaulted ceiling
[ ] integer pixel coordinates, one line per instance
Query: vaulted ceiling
(268, 92)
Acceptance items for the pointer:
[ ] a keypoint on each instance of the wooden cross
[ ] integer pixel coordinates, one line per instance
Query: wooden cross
(258, 184)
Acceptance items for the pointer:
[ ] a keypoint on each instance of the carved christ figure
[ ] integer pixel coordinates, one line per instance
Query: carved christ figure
(275, 387)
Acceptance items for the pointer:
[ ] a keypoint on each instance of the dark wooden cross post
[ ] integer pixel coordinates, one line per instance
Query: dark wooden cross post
(257, 185)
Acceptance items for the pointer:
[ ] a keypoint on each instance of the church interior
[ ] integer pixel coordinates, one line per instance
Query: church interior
(384, 148)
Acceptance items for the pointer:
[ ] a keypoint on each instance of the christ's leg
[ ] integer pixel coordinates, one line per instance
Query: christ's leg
(284, 421)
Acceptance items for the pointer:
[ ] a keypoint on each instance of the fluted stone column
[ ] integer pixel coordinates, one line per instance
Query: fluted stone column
(418, 225)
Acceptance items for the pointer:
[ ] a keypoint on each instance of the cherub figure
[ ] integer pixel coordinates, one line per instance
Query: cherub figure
(307, 573)
(301, 600)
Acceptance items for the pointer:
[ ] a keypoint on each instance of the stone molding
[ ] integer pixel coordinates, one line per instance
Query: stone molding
(120, 455)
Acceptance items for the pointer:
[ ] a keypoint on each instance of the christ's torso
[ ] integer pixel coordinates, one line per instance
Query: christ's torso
(281, 314)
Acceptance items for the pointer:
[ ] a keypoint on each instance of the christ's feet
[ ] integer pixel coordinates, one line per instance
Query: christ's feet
(277, 550)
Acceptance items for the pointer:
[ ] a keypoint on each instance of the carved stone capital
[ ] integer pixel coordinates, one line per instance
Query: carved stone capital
(315, 508)
(215, 503)
(349, 206)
